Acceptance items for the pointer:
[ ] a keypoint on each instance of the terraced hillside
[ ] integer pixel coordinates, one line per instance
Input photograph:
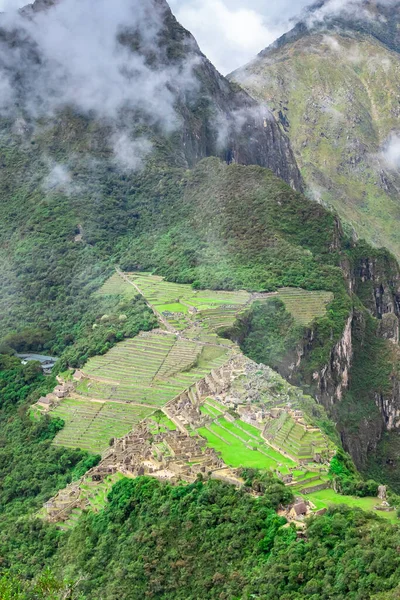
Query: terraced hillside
(281, 442)
(241, 444)
(150, 370)
(116, 286)
(305, 306)
(130, 382)
(301, 443)
(140, 375)
(137, 377)
(91, 425)
(183, 307)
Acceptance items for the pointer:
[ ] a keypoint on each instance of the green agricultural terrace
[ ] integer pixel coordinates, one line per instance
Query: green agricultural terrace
(130, 382)
(183, 307)
(91, 425)
(150, 369)
(142, 374)
(241, 444)
(116, 286)
(305, 306)
(294, 440)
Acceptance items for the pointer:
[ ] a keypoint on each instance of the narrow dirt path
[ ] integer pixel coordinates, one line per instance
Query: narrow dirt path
(159, 316)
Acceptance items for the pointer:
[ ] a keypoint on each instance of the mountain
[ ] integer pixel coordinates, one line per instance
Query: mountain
(189, 99)
(79, 121)
(156, 244)
(333, 83)
(102, 167)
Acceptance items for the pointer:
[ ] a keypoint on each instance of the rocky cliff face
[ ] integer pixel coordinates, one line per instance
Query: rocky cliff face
(334, 379)
(333, 84)
(189, 108)
(360, 384)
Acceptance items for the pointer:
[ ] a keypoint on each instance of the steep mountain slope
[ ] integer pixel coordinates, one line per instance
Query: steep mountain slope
(119, 152)
(79, 122)
(229, 227)
(197, 111)
(333, 82)
(87, 185)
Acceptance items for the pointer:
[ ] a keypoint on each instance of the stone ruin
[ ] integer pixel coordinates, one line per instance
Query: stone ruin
(62, 390)
(382, 492)
(172, 456)
(184, 410)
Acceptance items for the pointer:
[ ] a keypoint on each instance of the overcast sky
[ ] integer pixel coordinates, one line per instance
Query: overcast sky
(230, 32)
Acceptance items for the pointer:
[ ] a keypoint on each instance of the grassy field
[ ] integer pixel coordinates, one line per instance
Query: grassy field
(207, 410)
(236, 454)
(242, 448)
(91, 425)
(215, 405)
(116, 286)
(161, 425)
(324, 498)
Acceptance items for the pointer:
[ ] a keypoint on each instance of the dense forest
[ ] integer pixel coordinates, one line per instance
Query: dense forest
(204, 540)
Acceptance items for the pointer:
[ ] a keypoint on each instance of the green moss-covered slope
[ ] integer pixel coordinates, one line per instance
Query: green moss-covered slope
(335, 91)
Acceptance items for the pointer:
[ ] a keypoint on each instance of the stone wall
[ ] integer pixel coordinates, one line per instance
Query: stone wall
(316, 488)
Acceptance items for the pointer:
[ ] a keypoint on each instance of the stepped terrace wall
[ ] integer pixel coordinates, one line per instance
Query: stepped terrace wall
(117, 390)
(91, 425)
(151, 369)
(305, 306)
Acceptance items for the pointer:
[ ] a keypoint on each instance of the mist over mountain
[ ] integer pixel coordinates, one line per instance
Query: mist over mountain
(333, 82)
(373, 17)
(199, 354)
(134, 69)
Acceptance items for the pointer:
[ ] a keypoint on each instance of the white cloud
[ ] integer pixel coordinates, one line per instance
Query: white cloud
(357, 8)
(391, 152)
(232, 32)
(11, 4)
(229, 32)
(83, 64)
(80, 53)
(130, 154)
(58, 177)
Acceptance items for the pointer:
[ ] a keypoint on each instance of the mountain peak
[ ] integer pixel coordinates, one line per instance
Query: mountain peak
(378, 18)
(38, 6)
(333, 82)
